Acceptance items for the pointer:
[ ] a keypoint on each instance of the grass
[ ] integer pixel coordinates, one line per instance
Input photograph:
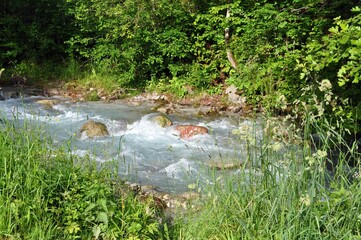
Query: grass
(283, 192)
(293, 196)
(45, 195)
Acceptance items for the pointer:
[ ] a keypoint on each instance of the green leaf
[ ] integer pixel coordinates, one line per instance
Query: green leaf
(103, 204)
(90, 207)
(334, 29)
(102, 217)
(96, 231)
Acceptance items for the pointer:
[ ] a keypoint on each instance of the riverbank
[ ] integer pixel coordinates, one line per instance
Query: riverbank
(226, 102)
(44, 195)
(280, 192)
(62, 116)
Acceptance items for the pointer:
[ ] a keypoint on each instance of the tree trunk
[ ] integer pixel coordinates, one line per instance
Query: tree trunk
(230, 56)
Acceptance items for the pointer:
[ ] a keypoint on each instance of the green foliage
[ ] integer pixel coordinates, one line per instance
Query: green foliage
(174, 46)
(92, 96)
(337, 57)
(44, 195)
(282, 191)
(33, 30)
(340, 49)
(267, 41)
(135, 40)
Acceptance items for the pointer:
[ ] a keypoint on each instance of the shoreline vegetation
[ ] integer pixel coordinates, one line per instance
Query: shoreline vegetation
(295, 60)
(280, 192)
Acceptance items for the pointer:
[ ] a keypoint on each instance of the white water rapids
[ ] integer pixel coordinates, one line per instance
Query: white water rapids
(144, 152)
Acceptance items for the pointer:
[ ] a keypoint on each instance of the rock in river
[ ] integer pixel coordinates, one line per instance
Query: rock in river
(94, 129)
(163, 121)
(187, 131)
(48, 103)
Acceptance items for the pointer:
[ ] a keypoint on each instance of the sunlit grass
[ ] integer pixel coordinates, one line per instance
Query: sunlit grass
(45, 195)
(291, 194)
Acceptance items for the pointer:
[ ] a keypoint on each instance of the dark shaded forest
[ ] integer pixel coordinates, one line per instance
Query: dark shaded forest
(269, 50)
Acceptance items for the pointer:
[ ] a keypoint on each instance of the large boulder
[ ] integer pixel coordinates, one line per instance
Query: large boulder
(187, 131)
(163, 121)
(94, 129)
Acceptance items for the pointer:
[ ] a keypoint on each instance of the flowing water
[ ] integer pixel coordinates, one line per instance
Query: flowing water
(144, 152)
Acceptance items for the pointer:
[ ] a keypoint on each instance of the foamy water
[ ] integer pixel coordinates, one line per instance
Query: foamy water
(142, 151)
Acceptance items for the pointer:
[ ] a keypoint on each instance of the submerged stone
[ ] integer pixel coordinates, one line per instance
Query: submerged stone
(47, 102)
(94, 129)
(163, 121)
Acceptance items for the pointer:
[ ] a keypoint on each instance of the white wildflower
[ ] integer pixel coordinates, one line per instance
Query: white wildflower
(321, 154)
(320, 110)
(328, 98)
(310, 160)
(245, 132)
(277, 146)
(357, 175)
(325, 85)
(305, 199)
(282, 101)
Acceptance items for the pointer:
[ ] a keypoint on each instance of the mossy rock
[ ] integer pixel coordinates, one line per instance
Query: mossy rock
(48, 103)
(163, 121)
(94, 129)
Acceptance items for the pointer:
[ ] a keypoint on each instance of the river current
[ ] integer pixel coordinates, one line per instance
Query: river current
(144, 152)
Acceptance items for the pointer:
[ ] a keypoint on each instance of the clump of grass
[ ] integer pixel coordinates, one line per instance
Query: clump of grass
(45, 195)
(287, 191)
(291, 195)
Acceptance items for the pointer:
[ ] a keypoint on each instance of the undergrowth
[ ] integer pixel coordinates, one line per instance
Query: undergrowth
(49, 194)
(296, 183)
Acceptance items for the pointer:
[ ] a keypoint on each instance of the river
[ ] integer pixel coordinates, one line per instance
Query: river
(142, 151)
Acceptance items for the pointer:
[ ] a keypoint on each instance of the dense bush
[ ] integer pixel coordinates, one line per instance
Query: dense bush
(279, 47)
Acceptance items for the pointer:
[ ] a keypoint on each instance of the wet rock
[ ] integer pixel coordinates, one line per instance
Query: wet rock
(187, 131)
(48, 102)
(210, 113)
(234, 97)
(54, 92)
(235, 109)
(166, 110)
(190, 195)
(15, 95)
(163, 121)
(94, 129)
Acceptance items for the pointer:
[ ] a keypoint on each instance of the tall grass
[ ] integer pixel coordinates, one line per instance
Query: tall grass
(45, 195)
(286, 192)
